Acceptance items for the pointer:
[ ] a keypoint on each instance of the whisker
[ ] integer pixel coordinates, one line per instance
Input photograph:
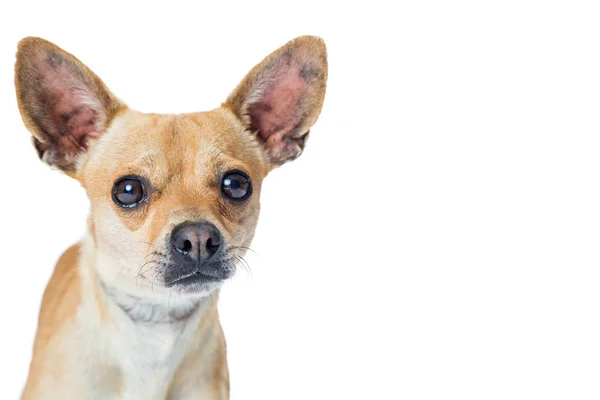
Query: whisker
(143, 265)
(244, 264)
(243, 248)
(156, 260)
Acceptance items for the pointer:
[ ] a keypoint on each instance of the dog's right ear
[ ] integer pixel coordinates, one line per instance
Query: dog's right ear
(62, 102)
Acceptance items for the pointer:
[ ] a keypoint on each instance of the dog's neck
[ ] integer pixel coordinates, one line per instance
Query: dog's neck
(150, 311)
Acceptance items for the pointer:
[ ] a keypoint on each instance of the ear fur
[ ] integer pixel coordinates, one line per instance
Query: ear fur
(63, 103)
(281, 98)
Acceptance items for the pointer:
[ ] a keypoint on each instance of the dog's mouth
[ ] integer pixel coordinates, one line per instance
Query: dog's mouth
(195, 277)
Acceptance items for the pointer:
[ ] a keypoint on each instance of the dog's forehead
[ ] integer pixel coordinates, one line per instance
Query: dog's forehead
(186, 144)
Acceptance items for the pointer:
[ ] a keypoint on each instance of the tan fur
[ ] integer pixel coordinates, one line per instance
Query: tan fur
(108, 327)
(61, 298)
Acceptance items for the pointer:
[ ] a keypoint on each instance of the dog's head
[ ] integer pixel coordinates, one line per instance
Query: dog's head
(174, 198)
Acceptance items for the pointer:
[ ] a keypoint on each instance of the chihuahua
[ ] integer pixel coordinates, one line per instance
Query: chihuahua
(131, 311)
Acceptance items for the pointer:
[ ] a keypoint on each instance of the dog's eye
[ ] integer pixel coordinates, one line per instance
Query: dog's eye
(129, 192)
(236, 185)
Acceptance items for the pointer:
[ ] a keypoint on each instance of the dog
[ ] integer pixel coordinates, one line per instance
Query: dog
(131, 310)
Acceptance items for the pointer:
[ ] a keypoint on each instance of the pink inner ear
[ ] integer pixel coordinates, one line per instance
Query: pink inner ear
(277, 112)
(72, 119)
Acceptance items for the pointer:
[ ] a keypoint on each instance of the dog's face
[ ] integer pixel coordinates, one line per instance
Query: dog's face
(174, 198)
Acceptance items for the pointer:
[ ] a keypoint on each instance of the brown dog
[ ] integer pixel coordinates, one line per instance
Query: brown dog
(130, 312)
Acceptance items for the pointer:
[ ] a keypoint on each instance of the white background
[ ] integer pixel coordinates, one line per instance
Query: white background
(438, 239)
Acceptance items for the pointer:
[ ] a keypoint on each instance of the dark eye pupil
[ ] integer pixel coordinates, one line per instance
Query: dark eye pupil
(128, 192)
(236, 186)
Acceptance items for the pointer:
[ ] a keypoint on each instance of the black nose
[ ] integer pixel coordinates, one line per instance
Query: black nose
(196, 241)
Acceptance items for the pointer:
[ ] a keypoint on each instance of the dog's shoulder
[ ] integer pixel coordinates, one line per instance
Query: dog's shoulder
(59, 305)
(63, 295)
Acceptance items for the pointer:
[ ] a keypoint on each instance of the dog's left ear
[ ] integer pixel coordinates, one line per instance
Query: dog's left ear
(281, 98)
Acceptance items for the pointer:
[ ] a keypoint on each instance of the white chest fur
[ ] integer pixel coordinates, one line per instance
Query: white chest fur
(149, 357)
(149, 341)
